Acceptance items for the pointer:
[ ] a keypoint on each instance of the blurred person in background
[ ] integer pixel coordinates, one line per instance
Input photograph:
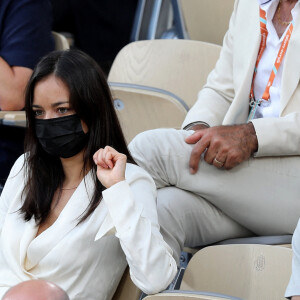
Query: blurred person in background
(25, 36)
(100, 27)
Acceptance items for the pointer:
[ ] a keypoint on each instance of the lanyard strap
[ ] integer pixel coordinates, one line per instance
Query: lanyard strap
(262, 47)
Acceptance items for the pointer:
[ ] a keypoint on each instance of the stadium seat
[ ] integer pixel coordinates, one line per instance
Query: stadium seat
(206, 20)
(126, 289)
(188, 295)
(140, 109)
(158, 19)
(178, 66)
(61, 42)
(248, 272)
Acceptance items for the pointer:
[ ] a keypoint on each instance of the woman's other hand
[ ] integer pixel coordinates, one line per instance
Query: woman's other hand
(110, 166)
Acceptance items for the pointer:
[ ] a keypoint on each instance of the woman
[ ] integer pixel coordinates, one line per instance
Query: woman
(72, 206)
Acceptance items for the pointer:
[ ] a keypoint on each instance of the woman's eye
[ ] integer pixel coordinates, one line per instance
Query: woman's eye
(37, 113)
(62, 110)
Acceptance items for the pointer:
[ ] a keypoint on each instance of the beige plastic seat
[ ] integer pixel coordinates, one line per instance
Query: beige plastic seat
(126, 289)
(249, 272)
(3, 113)
(178, 66)
(61, 42)
(139, 110)
(13, 118)
(207, 20)
(184, 295)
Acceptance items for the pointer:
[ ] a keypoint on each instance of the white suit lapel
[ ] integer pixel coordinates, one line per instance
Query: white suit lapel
(291, 69)
(246, 45)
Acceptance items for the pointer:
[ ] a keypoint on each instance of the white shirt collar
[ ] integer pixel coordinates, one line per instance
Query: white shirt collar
(261, 2)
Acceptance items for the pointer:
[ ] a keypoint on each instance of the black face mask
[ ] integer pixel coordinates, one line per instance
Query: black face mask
(62, 137)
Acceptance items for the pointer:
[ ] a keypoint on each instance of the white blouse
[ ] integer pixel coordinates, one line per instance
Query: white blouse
(87, 260)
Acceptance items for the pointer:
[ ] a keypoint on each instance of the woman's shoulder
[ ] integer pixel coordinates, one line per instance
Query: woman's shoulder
(15, 183)
(18, 166)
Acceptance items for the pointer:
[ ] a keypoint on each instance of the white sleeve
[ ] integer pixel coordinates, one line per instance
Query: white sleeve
(12, 183)
(132, 208)
(293, 288)
(278, 136)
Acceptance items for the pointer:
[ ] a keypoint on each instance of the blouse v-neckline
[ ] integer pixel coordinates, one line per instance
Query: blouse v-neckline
(33, 248)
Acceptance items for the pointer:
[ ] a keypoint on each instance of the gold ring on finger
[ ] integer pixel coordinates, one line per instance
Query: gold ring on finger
(219, 163)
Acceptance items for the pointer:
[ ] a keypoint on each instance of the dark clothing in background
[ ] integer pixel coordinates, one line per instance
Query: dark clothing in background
(100, 27)
(25, 37)
(25, 31)
(11, 147)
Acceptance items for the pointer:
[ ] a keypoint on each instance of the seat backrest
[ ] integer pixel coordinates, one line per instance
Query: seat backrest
(178, 66)
(153, 19)
(13, 118)
(139, 110)
(207, 20)
(61, 42)
(186, 295)
(126, 289)
(247, 271)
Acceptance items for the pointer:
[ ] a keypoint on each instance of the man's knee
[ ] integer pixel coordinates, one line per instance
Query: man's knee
(172, 201)
(163, 138)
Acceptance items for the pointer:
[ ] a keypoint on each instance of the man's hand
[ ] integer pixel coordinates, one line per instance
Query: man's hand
(224, 146)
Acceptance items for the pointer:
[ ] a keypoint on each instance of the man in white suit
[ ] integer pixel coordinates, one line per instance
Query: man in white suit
(234, 168)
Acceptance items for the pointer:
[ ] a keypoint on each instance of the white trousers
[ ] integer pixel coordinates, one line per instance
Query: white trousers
(260, 196)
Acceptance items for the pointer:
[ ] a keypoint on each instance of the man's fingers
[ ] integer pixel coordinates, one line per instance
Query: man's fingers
(196, 155)
(195, 137)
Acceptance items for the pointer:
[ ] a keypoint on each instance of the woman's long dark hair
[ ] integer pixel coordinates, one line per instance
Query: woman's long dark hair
(91, 100)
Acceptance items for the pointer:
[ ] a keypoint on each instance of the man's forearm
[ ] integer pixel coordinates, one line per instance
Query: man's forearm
(13, 81)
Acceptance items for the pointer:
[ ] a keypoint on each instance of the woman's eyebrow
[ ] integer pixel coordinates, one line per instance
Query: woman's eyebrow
(59, 103)
(53, 104)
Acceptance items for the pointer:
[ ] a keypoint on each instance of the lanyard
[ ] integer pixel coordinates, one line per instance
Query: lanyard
(264, 34)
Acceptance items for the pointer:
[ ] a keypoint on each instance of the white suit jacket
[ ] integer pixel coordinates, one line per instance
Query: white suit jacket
(225, 97)
(87, 260)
